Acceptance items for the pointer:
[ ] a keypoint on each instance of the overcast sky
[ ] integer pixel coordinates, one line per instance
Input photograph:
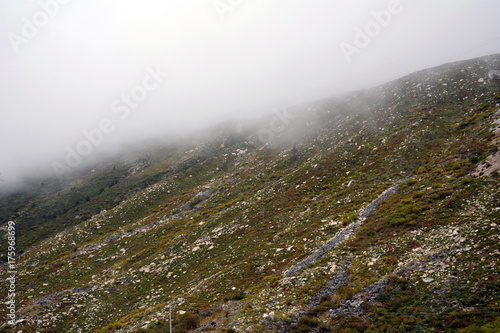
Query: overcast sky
(134, 68)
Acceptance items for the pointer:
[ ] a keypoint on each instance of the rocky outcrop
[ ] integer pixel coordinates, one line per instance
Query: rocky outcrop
(47, 300)
(196, 200)
(344, 233)
(358, 304)
(494, 74)
(113, 238)
(341, 278)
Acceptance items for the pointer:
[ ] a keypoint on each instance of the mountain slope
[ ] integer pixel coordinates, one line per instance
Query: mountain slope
(213, 226)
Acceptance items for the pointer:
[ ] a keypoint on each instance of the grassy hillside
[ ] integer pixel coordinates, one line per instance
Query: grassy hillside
(211, 225)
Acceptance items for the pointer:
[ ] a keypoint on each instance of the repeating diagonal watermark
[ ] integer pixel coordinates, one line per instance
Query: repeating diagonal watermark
(11, 273)
(122, 107)
(40, 19)
(277, 124)
(363, 37)
(225, 7)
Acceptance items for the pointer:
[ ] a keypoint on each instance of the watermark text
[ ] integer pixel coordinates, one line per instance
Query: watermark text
(277, 124)
(224, 7)
(11, 273)
(122, 107)
(31, 27)
(364, 36)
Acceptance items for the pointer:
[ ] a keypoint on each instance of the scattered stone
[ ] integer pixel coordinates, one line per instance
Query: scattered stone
(344, 233)
(338, 280)
(359, 303)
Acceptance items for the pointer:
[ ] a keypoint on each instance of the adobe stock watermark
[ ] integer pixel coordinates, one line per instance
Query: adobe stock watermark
(224, 7)
(277, 124)
(122, 107)
(31, 27)
(11, 272)
(364, 36)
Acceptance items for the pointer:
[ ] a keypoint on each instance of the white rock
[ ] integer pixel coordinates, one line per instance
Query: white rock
(145, 269)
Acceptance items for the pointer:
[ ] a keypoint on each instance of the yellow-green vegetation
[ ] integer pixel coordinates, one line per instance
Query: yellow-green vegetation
(209, 226)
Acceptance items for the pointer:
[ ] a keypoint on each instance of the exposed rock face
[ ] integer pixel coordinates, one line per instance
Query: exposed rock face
(111, 239)
(210, 326)
(344, 233)
(357, 305)
(494, 74)
(46, 300)
(196, 200)
(492, 163)
(340, 279)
